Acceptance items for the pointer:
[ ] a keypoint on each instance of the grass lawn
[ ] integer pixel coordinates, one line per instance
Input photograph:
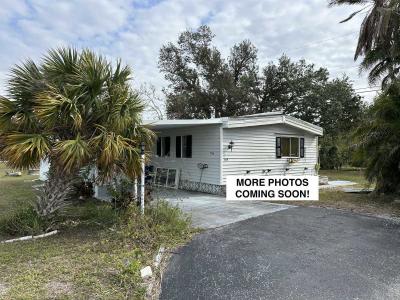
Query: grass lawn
(90, 258)
(346, 174)
(14, 190)
(360, 203)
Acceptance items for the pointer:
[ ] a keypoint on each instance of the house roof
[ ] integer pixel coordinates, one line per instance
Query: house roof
(269, 118)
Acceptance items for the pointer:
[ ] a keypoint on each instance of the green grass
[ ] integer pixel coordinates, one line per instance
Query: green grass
(14, 190)
(346, 174)
(96, 255)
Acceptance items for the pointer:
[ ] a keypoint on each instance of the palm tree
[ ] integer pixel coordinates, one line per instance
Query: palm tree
(379, 25)
(383, 64)
(74, 109)
(379, 137)
(379, 37)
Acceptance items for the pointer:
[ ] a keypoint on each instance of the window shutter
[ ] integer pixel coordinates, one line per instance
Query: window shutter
(167, 146)
(178, 146)
(159, 146)
(278, 147)
(189, 146)
(302, 147)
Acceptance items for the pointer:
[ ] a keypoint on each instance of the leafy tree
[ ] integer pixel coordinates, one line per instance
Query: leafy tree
(202, 83)
(74, 109)
(298, 89)
(379, 138)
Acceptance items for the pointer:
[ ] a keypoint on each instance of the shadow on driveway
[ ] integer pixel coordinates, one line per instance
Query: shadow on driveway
(298, 253)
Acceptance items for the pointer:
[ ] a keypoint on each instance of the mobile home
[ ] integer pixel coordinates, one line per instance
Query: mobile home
(199, 154)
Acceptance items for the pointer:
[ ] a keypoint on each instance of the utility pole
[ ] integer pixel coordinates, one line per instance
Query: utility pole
(142, 178)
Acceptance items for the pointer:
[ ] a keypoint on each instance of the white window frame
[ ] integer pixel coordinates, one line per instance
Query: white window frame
(166, 181)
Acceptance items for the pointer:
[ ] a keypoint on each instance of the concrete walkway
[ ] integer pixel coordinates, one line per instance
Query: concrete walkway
(332, 184)
(211, 211)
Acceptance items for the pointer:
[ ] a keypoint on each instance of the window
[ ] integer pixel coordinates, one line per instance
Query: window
(166, 177)
(163, 146)
(289, 147)
(184, 146)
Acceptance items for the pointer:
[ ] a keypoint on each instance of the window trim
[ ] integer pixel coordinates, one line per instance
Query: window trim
(299, 138)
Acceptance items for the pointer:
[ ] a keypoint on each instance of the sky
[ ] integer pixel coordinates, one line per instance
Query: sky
(134, 31)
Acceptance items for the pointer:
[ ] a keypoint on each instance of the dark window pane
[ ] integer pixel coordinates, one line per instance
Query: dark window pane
(178, 146)
(285, 146)
(294, 147)
(187, 146)
(159, 146)
(167, 146)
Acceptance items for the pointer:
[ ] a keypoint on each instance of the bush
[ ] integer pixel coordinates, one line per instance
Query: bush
(84, 185)
(92, 212)
(161, 224)
(24, 221)
(121, 193)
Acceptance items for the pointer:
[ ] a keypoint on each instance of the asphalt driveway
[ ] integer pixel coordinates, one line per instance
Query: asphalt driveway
(297, 253)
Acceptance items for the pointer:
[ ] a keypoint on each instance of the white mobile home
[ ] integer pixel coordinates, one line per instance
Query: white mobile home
(199, 154)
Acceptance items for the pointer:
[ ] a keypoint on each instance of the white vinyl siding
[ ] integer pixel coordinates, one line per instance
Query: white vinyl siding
(254, 150)
(205, 150)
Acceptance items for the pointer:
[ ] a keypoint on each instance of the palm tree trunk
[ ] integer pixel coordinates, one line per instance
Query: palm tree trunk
(56, 192)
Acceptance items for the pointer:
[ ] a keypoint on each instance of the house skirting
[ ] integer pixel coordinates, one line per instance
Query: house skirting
(208, 188)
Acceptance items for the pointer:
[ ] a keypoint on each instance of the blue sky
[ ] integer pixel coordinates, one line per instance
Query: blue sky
(135, 30)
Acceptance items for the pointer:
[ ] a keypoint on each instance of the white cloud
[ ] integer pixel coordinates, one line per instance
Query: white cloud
(135, 30)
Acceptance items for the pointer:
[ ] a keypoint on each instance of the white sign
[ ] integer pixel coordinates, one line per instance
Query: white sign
(283, 188)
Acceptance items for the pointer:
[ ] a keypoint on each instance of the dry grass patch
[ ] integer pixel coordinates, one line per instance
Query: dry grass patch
(384, 206)
(97, 254)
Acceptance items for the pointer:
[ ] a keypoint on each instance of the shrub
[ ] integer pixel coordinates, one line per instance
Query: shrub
(84, 186)
(121, 193)
(24, 221)
(161, 224)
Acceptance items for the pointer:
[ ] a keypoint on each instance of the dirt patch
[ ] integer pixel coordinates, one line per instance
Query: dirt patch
(3, 289)
(56, 289)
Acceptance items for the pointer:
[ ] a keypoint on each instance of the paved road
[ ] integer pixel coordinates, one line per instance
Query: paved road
(298, 253)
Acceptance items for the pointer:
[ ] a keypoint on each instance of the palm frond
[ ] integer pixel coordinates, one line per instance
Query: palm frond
(54, 108)
(8, 109)
(71, 155)
(60, 65)
(93, 73)
(25, 81)
(23, 151)
(121, 74)
(347, 2)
